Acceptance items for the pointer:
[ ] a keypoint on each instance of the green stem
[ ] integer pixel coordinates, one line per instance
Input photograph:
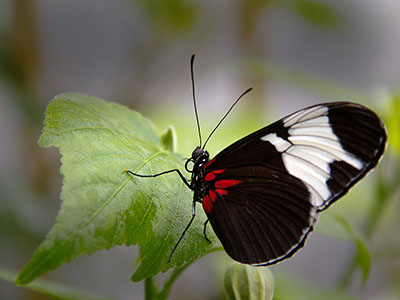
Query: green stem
(150, 290)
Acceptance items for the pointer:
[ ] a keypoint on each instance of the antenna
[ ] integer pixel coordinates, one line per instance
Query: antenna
(194, 98)
(226, 114)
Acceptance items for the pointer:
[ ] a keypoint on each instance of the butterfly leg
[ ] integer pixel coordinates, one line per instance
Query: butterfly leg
(205, 231)
(162, 173)
(184, 231)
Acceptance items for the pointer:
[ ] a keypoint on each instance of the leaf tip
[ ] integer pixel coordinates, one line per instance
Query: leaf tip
(22, 279)
(169, 139)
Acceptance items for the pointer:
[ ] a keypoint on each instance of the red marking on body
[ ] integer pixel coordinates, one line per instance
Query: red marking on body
(213, 195)
(209, 163)
(211, 176)
(207, 204)
(221, 192)
(225, 183)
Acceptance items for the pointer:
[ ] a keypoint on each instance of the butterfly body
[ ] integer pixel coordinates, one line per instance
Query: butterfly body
(199, 158)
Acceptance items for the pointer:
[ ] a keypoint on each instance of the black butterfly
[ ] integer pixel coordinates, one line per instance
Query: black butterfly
(263, 194)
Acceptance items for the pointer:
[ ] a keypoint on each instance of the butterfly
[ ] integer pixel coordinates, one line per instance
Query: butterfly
(263, 194)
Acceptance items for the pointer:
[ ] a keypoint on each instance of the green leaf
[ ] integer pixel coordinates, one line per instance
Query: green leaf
(243, 282)
(102, 207)
(50, 288)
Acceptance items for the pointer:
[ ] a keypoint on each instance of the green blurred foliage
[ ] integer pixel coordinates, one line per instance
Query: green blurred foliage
(392, 117)
(173, 16)
(50, 288)
(288, 286)
(317, 13)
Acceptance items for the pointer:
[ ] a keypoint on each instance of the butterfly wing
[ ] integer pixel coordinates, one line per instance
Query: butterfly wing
(265, 191)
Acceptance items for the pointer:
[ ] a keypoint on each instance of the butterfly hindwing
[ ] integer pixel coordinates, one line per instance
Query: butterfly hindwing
(264, 217)
(265, 190)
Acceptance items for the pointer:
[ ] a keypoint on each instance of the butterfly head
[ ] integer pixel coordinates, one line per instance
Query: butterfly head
(199, 158)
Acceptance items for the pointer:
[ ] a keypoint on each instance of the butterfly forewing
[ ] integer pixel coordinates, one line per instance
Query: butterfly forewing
(265, 190)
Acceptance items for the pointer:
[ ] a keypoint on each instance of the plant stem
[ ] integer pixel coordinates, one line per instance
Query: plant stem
(150, 289)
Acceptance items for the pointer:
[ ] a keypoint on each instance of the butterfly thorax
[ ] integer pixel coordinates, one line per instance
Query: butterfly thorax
(199, 158)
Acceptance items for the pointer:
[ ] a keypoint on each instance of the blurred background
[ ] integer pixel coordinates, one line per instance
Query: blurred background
(293, 53)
